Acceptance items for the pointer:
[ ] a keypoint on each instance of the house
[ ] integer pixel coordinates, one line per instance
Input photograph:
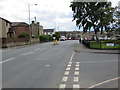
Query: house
(48, 31)
(20, 27)
(5, 28)
(36, 29)
(70, 34)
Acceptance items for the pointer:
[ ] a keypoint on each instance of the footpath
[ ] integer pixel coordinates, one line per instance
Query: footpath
(79, 47)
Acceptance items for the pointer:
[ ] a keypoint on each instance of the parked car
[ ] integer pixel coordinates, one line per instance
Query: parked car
(62, 38)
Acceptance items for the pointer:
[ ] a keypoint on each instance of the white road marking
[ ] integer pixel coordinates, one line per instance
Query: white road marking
(65, 79)
(67, 68)
(37, 49)
(10, 59)
(66, 73)
(104, 82)
(76, 68)
(100, 61)
(70, 62)
(47, 65)
(71, 57)
(76, 73)
(62, 86)
(69, 65)
(5, 50)
(77, 65)
(25, 54)
(76, 79)
(76, 86)
(77, 62)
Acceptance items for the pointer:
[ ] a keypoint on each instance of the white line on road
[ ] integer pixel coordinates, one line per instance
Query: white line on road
(10, 59)
(104, 82)
(69, 65)
(77, 65)
(76, 68)
(67, 68)
(76, 79)
(70, 62)
(66, 73)
(25, 54)
(62, 86)
(76, 73)
(65, 79)
(77, 62)
(71, 57)
(76, 86)
(37, 49)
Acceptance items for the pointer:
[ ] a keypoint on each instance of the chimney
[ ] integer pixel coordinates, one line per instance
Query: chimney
(33, 22)
(38, 23)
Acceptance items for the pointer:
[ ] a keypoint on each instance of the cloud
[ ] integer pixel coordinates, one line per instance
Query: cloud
(50, 13)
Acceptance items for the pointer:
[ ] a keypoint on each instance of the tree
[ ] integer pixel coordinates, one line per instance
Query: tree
(117, 19)
(96, 15)
(57, 35)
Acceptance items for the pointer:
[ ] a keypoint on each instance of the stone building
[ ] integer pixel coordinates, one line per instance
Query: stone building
(36, 29)
(49, 31)
(5, 28)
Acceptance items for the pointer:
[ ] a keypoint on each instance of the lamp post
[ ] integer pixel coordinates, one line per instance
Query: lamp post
(29, 22)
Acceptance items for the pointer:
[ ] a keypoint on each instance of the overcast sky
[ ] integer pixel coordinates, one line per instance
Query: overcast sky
(50, 13)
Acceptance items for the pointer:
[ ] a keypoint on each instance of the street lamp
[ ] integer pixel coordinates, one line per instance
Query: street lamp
(29, 21)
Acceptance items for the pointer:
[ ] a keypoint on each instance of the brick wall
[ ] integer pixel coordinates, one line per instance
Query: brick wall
(18, 30)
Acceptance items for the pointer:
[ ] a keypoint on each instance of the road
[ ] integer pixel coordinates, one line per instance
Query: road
(57, 66)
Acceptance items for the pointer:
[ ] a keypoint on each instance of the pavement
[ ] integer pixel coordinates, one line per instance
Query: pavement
(79, 47)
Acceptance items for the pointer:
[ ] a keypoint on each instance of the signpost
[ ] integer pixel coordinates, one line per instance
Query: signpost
(110, 44)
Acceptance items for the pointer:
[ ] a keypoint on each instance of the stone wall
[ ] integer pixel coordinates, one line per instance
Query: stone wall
(12, 42)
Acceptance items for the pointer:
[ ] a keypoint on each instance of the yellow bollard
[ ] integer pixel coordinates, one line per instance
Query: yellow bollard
(54, 42)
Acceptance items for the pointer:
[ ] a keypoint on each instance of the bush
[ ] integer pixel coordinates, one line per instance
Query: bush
(50, 38)
(23, 35)
(45, 38)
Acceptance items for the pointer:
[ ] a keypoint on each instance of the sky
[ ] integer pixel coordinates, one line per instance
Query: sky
(50, 13)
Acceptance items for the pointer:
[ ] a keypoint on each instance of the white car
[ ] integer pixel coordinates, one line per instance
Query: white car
(62, 38)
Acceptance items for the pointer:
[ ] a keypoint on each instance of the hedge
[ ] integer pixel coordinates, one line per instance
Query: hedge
(102, 44)
(45, 38)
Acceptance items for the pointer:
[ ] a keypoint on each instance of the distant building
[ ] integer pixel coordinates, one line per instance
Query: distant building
(20, 27)
(5, 28)
(36, 29)
(49, 31)
(70, 34)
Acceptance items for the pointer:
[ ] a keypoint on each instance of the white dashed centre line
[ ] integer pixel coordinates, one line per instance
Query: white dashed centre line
(67, 68)
(77, 62)
(62, 86)
(65, 79)
(76, 79)
(25, 54)
(37, 49)
(76, 73)
(72, 57)
(66, 73)
(76, 86)
(77, 65)
(69, 65)
(70, 62)
(76, 68)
